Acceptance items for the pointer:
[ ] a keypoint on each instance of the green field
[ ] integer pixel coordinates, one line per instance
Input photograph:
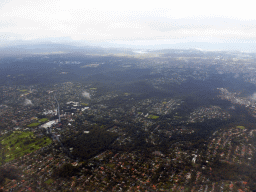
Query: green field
(33, 124)
(240, 127)
(49, 181)
(43, 120)
(20, 143)
(153, 117)
(84, 104)
(93, 88)
(23, 90)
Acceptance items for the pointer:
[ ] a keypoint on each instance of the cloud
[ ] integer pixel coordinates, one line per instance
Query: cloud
(253, 97)
(86, 95)
(28, 102)
(127, 20)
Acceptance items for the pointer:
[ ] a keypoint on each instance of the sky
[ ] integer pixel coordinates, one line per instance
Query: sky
(132, 23)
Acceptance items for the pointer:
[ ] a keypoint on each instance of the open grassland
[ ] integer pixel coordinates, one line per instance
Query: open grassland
(23, 90)
(153, 117)
(19, 143)
(240, 127)
(43, 120)
(33, 124)
(40, 121)
(49, 181)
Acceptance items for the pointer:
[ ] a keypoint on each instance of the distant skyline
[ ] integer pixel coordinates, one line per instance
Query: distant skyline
(134, 24)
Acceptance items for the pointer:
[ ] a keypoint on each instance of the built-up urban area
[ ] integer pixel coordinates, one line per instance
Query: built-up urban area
(182, 120)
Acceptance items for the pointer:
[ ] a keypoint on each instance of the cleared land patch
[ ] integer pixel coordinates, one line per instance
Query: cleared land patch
(49, 181)
(240, 127)
(23, 90)
(153, 117)
(33, 124)
(43, 120)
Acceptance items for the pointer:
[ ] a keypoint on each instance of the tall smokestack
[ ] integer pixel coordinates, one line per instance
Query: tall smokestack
(58, 109)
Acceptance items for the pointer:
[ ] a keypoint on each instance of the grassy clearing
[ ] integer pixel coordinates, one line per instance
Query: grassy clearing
(43, 120)
(153, 117)
(49, 181)
(20, 143)
(240, 127)
(93, 88)
(111, 165)
(84, 104)
(33, 124)
(23, 90)
(40, 121)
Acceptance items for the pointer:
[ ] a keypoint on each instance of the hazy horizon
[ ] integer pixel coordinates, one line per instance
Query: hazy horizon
(140, 45)
(154, 25)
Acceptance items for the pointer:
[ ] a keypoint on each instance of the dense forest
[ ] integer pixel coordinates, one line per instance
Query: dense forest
(86, 146)
(8, 173)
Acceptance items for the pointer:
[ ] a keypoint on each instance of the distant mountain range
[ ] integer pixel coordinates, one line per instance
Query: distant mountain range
(69, 46)
(53, 47)
(46, 48)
